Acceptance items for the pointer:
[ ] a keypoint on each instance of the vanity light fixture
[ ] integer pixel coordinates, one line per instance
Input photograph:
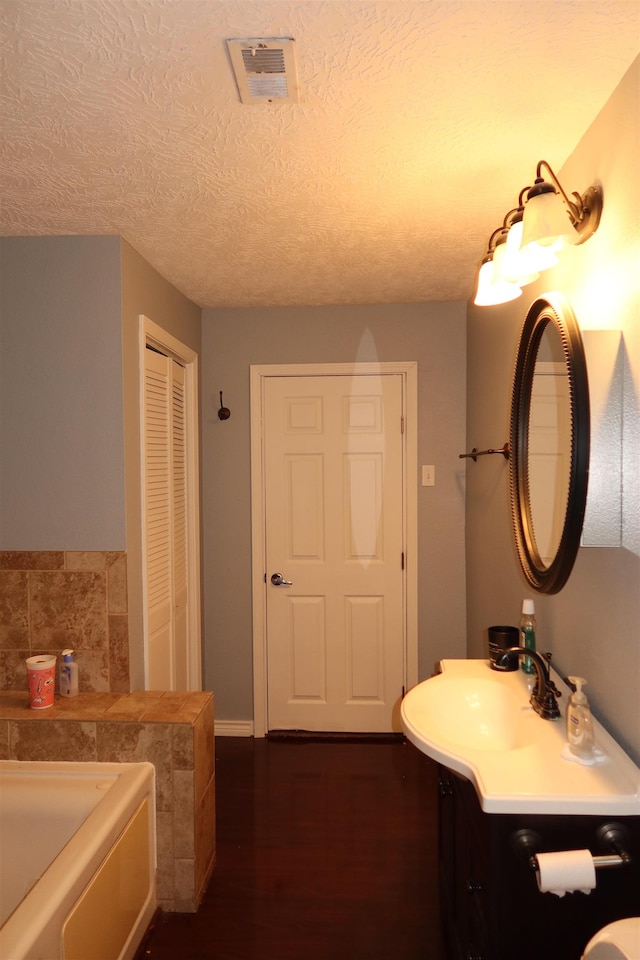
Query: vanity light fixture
(552, 219)
(532, 235)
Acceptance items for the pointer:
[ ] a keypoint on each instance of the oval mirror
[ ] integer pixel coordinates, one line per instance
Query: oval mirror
(549, 438)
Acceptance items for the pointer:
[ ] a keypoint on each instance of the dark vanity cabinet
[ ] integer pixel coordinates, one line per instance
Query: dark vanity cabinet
(492, 908)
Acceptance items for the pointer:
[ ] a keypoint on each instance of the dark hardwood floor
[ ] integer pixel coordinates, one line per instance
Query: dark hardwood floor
(327, 850)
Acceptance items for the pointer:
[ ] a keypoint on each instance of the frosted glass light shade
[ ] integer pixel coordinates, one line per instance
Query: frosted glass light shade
(514, 266)
(531, 261)
(492, 289)
(546, 222)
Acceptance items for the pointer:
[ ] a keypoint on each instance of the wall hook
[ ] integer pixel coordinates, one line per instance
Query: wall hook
(223, 413)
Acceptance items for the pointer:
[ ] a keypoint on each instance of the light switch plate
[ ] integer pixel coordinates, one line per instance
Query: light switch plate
(428, 475)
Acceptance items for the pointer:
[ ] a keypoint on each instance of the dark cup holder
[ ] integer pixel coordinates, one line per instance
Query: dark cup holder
(500, 639)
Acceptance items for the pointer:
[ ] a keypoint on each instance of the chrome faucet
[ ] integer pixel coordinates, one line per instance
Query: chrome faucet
(543, 698)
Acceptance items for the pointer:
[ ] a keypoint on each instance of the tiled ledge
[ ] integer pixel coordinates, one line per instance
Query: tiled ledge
(155, 706)
(174, 731)
(52, 599)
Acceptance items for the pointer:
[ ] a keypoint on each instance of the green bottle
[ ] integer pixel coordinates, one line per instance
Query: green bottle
(528, 633)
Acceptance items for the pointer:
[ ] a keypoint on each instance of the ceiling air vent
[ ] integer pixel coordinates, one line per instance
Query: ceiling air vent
(265, 69)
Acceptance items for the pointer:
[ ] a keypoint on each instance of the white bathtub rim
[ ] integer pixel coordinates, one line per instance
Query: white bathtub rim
(50, 895)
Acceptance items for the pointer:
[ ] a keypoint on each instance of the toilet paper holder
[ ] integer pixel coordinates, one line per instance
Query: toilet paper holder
(610, 837)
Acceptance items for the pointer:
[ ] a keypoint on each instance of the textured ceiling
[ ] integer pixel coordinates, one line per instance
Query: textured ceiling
(418, 123)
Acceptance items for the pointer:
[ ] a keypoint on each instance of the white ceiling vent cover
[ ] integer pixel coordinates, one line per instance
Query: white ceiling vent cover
(265, 69)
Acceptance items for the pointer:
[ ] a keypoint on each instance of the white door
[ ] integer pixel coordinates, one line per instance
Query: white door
(333, 495)
(165, 523)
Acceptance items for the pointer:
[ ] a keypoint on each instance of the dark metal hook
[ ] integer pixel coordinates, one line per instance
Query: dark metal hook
(223, 413)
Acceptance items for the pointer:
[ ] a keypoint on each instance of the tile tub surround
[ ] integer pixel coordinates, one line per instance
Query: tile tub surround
(174, 731)
(52, 599)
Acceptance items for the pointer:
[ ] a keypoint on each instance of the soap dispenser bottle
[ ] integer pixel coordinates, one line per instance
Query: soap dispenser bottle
(68, 675)
(579, 722)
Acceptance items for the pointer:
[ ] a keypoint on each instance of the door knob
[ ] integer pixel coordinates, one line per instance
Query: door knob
(279, 581)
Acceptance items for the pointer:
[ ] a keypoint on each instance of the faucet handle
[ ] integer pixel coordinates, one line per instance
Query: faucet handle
(550, 682)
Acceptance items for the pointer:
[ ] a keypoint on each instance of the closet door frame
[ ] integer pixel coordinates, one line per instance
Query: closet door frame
(150, 334)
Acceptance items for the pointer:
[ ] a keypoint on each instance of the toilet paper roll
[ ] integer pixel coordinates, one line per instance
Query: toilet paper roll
(567, 871)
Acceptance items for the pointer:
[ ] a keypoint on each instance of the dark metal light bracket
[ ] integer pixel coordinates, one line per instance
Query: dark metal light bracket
(505, 450)
(584, 210)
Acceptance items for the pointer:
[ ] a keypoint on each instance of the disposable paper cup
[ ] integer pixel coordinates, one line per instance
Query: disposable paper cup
(41, 674)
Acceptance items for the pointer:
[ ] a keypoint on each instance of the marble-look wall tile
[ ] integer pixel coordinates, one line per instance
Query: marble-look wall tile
(52, 740)
(94, 706)
(68, 610)
(13, 670)
(183, 814)
(168, 708)
(31, 559)
(4, 739)
(117, 584)
(118, 626)
(133, 706)
(92, 560)
(132, 742)
(203, 745)
(113, 563)
(205, 837)
(196, 703)
(14, 609)
(93, 669)
(182, 746)
(165, 875)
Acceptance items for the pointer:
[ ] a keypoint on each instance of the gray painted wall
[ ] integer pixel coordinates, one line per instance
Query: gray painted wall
(62, 460)
(593, 625)
(431, 334)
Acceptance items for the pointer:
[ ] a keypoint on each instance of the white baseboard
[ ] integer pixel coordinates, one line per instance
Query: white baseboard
(234, 728)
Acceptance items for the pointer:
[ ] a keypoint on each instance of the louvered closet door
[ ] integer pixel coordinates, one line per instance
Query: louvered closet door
(165, 523)
(179, 527)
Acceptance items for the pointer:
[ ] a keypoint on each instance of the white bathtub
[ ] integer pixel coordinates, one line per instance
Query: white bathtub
(77, 859)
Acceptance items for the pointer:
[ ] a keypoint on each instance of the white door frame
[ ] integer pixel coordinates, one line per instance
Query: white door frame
(258, 373)
(153, 335)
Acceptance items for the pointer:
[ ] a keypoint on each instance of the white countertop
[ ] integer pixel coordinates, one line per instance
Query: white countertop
(523, 770)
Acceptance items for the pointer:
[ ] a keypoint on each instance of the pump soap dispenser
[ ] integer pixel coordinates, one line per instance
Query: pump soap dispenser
(580, 723)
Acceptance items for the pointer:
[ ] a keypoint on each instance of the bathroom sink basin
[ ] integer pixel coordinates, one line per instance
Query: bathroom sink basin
(474, 713)
(619, 940)
(479, 722)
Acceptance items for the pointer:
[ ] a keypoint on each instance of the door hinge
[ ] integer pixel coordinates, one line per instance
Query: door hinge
(265, 578)
(401, 424)
(403, 689)
(402, 560)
